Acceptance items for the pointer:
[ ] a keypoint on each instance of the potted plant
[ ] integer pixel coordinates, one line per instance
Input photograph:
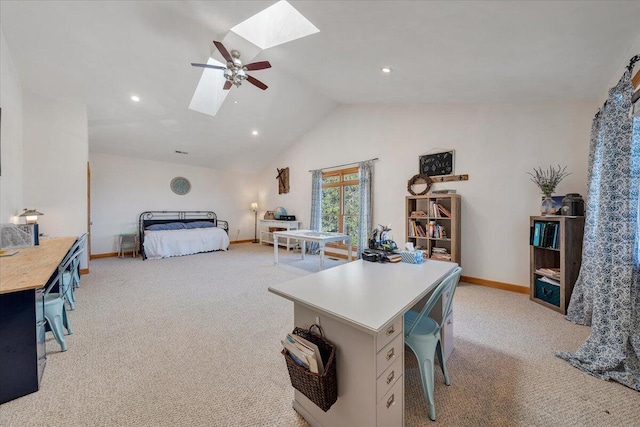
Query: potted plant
(547, 181)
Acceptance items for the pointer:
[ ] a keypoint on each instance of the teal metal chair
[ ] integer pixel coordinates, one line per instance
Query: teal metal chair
(71, 277)
(81, 246)
(422, 335)
(55, 312)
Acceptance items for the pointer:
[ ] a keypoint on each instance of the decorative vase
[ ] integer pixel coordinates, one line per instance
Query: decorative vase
(547, 205)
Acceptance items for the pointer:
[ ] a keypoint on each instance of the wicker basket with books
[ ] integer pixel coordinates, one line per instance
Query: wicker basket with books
(321, 387)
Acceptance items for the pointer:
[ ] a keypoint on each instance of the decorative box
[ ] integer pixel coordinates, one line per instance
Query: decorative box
(414, 257)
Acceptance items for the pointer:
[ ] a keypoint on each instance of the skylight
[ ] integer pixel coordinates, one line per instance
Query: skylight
(275, 25)
(209, 94)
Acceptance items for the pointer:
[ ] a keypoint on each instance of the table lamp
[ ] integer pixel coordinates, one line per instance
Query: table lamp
(31, 215)
(31, 218)
(254, 209)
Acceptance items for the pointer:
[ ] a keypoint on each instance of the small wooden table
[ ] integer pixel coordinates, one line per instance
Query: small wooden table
(320, 237)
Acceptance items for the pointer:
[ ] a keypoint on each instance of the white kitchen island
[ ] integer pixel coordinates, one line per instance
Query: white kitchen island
(360, 307)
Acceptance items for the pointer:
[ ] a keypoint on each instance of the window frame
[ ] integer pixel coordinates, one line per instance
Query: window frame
(341, 183)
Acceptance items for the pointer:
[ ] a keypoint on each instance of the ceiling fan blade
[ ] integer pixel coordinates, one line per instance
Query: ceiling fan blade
(223, 51)
(256, 82)
(257, 66)
(215, 67)
(227, 85)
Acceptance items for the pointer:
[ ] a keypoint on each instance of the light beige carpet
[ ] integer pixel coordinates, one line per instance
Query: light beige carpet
(194, 341)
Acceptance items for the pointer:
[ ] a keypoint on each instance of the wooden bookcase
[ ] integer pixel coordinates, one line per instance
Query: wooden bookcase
(450, 225)
(567, 257)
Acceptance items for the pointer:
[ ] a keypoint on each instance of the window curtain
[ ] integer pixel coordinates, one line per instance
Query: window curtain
(365, 170)
(315, 223)
(607, 292)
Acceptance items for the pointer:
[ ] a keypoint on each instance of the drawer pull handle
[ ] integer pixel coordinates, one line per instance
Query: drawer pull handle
(390, 330)
(391, 400)
(391, 353)
(391, 376)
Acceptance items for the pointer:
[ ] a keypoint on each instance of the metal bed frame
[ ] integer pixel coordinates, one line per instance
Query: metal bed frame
(148, 218)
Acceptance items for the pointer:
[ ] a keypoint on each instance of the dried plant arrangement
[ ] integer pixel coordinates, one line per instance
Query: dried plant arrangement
(548, 180)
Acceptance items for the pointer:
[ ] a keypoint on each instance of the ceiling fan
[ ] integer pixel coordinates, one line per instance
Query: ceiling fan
(235, 72)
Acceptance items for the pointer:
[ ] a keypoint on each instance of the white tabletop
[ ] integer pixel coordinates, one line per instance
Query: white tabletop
(364, 294)
(317, 236)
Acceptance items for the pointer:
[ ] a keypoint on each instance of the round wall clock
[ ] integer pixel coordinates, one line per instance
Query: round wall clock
(180, 185)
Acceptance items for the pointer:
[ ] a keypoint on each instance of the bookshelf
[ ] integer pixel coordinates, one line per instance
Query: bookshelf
(555, 265)
(431, 229)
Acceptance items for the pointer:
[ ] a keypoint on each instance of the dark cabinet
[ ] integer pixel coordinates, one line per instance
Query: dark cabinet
(22, 343)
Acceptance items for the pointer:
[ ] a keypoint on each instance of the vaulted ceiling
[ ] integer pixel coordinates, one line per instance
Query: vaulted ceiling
(102, 52)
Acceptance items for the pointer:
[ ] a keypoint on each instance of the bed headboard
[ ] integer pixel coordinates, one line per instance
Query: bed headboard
(148, 218)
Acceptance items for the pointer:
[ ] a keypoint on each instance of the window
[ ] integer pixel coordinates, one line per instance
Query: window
(341, 203)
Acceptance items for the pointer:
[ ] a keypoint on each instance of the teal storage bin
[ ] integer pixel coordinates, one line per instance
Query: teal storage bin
(547, 292)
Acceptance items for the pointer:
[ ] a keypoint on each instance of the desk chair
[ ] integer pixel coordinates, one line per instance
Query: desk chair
(55, 312)
(422, 335)
(71, 277)
(82, 246)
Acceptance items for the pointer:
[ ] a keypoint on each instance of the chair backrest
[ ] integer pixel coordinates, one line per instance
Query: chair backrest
(449, 282)
(66, 264)
(78, 246)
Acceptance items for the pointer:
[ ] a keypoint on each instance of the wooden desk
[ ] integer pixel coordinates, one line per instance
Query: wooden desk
(320, 237)
(22, 278)
(360, 306)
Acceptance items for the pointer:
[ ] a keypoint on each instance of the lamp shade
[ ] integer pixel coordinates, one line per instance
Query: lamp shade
(254, 207)
(31, 215)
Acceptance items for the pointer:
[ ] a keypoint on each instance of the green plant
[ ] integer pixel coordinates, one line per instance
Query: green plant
(548, 180)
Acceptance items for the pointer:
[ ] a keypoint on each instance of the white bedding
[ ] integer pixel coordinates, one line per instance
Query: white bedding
(168, 243)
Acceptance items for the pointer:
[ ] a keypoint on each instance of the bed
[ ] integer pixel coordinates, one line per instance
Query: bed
(164, 234)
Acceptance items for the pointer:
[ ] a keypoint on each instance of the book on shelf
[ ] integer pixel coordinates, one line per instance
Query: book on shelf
(546, 235)
(444, 211)
(552, 272)
(440, 254)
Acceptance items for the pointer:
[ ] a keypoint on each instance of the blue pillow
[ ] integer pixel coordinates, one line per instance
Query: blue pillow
(199, 224)
(167, 226)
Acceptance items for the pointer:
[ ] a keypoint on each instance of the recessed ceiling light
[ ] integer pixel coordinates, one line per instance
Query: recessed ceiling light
(135, 98)
(254, 133)
(235, 102)
(386, 70)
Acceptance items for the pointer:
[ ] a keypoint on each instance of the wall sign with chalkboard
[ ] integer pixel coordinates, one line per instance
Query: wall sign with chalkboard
(437, 164)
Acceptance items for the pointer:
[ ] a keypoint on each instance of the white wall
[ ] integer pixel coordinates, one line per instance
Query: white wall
(11, 137)
(495, 144)
(123, 187)
(56, 151)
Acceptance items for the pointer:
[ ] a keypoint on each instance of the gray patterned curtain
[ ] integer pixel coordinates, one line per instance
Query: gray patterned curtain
(316, 208)
(366, 206)
(607, 291)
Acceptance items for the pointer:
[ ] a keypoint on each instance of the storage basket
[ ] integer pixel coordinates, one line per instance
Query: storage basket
(547, 292)
(320, 389)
